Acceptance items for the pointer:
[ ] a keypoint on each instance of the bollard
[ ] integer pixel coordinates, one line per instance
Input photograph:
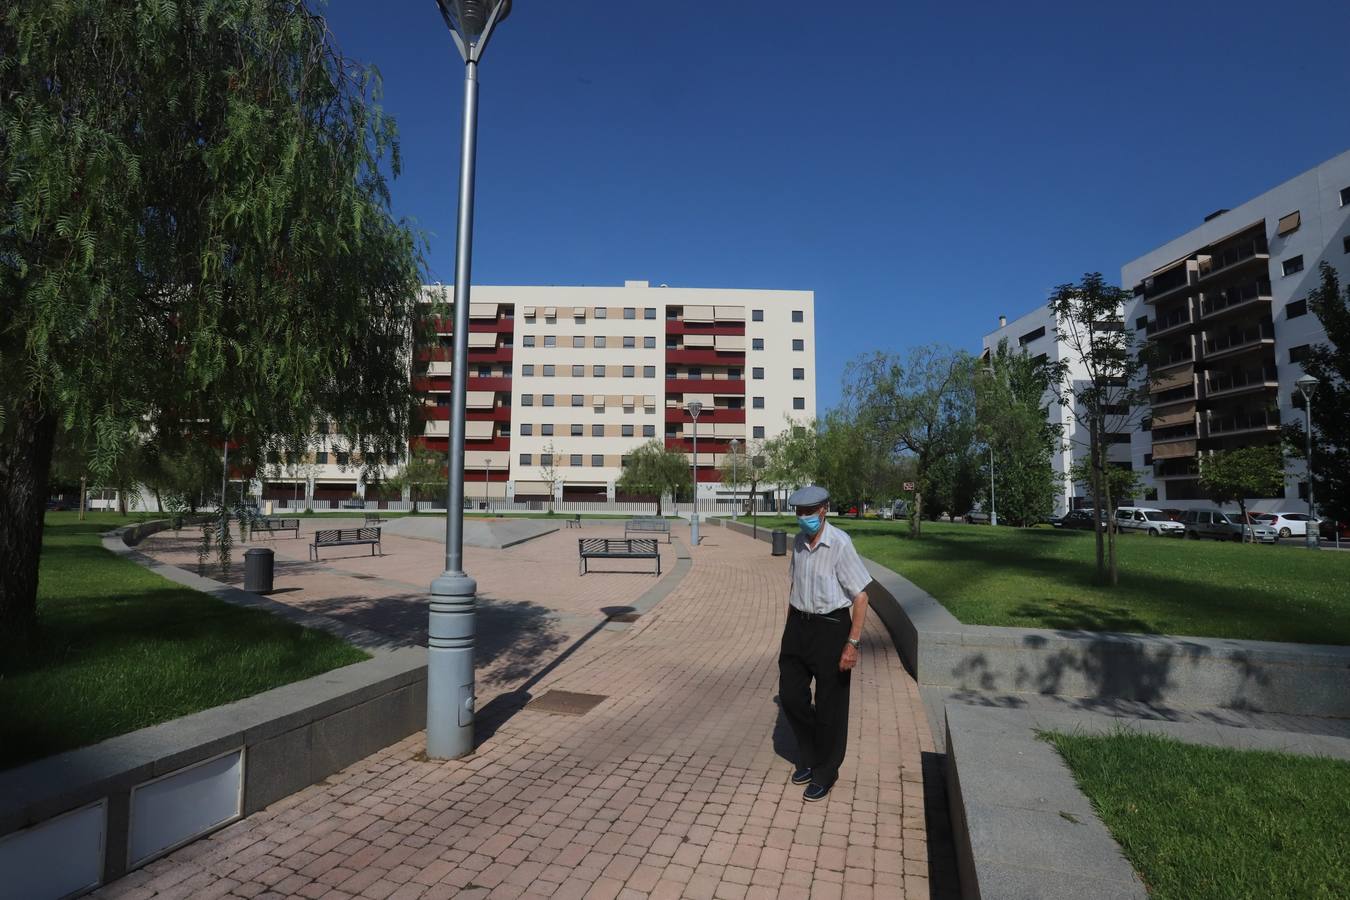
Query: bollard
(258, 570)
(779, 542)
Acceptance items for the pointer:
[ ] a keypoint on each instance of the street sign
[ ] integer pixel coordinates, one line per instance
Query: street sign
(909, 485)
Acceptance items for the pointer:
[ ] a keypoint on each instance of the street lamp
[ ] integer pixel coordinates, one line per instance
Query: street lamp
(993, 509)
(1307, 386)
(487, 467)
(735, 445)
(694, 408)
(450, 629)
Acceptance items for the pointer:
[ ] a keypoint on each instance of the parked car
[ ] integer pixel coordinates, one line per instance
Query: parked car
(1330, 529)
(1216, 524)
(1078, 519)
(976, 517)
(1173, 513)
(1153, 522)
(1286, 524)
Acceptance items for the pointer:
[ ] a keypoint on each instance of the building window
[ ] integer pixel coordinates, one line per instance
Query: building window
(626, 430)
(1288, 224)
(1299, 353)
(599, 341)
(1345, 196)
(575, 459)
(528, 340)
(1292, 265)
(546, 429)
(757, 402)
(527, 459)
(601, 312)
(577, 431)
(1031, 336)
(734, 374)
(649, 431)
(342, 457)
(550, 340)
(1345, 243)
(578, 342)
(649, 371)
(630, 312)
(797, 316)
(548, 399)
(799, 403)
(597, 431)
(545, 459)
(649, 313)
(578, 371)
(798, 344)
(1296, 309)
(757, 373)
(485, 371)
(629, 342)
(695, 374)
(597, 460)
(798, 374)
(598, 371)
(527, 399)
(649, 342)
(1141, 323)
(578, 400)
(757, 343)
(526, 429)
(757, 431)
(629, 371)
(756, 315)
(549, 370)
(527, 369)
(321, 457)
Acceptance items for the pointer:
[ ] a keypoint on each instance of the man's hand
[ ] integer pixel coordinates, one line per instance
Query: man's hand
(849, 659)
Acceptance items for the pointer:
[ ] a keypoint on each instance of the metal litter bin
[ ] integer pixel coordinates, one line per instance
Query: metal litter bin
(779, 542)
(258, 570)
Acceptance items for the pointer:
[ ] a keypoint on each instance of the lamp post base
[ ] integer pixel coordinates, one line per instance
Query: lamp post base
(1310, 538)
(450, 690)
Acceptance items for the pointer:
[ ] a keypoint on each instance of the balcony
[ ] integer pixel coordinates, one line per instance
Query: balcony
(1176, 358)
(716, 386)
(1225, 384)
(1235, 258)
(1175, 282)
(1240, 297)
(1176, 468)
(1240, 340)
(679, 326)
(1244, 422)
(705, 357)
(1175, 321)
(678, 415)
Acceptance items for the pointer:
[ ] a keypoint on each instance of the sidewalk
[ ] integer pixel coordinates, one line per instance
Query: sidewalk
(674, 785)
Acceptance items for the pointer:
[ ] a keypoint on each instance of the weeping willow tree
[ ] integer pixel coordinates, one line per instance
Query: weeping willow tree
(196, 243)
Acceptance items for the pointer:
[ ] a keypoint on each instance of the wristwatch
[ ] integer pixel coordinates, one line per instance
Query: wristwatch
(856, 644)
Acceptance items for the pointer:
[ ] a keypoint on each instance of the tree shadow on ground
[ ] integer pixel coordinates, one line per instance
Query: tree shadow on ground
(1079, 615)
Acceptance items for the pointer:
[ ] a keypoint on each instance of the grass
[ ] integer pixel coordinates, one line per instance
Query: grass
(1044, 578)
(120, 648)
(1205, 822)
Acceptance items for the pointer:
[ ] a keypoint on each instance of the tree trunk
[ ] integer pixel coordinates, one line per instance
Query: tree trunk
(25, 467)
(1242, 512)
(84, 492)
(1094, 467)
(1112, 573)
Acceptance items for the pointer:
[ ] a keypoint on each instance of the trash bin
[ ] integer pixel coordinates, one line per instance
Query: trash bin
(258, 570)
(779, 542)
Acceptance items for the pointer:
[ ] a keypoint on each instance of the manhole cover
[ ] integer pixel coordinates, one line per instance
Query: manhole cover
(625, 617)
(565, 703)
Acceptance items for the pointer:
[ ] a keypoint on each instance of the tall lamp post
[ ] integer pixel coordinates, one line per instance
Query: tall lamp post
(694, 408)
(450, 631)
(735, 482)
(487, 467)
(993, 507)
(1307, 386)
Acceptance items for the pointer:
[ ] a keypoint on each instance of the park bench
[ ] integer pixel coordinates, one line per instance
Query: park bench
(271, 525)
(353, 504)
(617, 548)
(374, 518)
(647, 526)
(344, 537)
(574, 522)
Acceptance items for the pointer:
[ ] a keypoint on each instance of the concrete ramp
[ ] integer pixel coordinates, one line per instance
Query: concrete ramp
(494, 534)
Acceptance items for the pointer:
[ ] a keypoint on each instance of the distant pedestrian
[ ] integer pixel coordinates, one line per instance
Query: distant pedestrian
(826, 607)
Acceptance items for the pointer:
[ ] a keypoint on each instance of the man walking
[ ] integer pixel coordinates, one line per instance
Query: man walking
(826, 607)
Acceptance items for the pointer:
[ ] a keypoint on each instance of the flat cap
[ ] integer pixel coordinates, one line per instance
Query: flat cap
(811, 495)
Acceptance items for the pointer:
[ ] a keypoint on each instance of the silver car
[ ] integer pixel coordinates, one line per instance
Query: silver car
(1219, 525)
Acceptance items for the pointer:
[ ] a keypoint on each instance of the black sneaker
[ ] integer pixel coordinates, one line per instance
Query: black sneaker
(815, 792)
(802, 775)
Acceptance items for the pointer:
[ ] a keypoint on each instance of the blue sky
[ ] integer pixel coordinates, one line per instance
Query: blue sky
(921, 167)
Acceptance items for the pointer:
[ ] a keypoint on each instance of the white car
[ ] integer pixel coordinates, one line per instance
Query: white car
(1287, 524)
(1153, 522)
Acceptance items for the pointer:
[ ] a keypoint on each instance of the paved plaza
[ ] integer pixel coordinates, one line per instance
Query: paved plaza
(673, 785)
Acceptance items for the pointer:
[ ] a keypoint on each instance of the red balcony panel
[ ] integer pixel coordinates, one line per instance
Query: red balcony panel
(676, 326)
(708, 474)
(482, 326)
(442, 444)
(496, 414)
(678, 414)
(493, 383)
(732, 386)
(705, 445)
(485, 355)
(706, 358)
(474, 476)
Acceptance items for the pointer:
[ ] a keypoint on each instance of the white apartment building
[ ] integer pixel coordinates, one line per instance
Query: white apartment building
(1225, 306)
(570, 379)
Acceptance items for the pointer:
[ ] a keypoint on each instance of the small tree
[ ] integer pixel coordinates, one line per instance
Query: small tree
(548, 471)
(791, 456)
(652, 468)
(424, 470)
(734, 468)
(1234, 475)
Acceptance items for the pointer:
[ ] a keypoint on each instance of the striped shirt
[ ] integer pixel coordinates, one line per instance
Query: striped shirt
(829, 575)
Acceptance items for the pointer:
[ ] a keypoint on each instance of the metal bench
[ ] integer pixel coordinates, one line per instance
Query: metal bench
(270, 525)
(647, 526)
(345, 537)
(374, 518)
(574, 522)
(617, 548)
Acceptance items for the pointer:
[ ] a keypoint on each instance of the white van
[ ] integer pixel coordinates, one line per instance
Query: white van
(1153, 522)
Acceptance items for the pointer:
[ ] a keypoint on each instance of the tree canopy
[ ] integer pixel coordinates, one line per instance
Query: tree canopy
(651, 469)
(1012, 409)
(1242, 473)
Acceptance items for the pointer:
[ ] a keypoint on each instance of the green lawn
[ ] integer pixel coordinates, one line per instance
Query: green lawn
(1044, 578)
(1203, 822)
(120, 648)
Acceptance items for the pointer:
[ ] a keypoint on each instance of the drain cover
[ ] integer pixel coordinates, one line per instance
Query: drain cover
(565, 703)
(625, 617)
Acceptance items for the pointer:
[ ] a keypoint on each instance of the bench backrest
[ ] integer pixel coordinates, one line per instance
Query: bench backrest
(338, 535)
(648, 525)
(616, 545)
(280, 523)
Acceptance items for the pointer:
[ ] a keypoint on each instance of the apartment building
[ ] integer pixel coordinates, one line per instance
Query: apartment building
(1224, 308)
(565, 381)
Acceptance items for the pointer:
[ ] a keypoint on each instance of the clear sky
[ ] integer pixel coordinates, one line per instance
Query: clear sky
(923, 167)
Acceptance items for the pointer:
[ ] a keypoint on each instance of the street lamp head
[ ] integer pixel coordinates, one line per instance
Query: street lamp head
(471, 23)
(735, 444)
(694, 407)
(1307, 385)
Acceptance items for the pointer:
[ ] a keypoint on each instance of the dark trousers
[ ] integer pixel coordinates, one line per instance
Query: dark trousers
(810, 651)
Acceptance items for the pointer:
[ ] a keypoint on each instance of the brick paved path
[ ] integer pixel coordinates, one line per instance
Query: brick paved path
(674, 786)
